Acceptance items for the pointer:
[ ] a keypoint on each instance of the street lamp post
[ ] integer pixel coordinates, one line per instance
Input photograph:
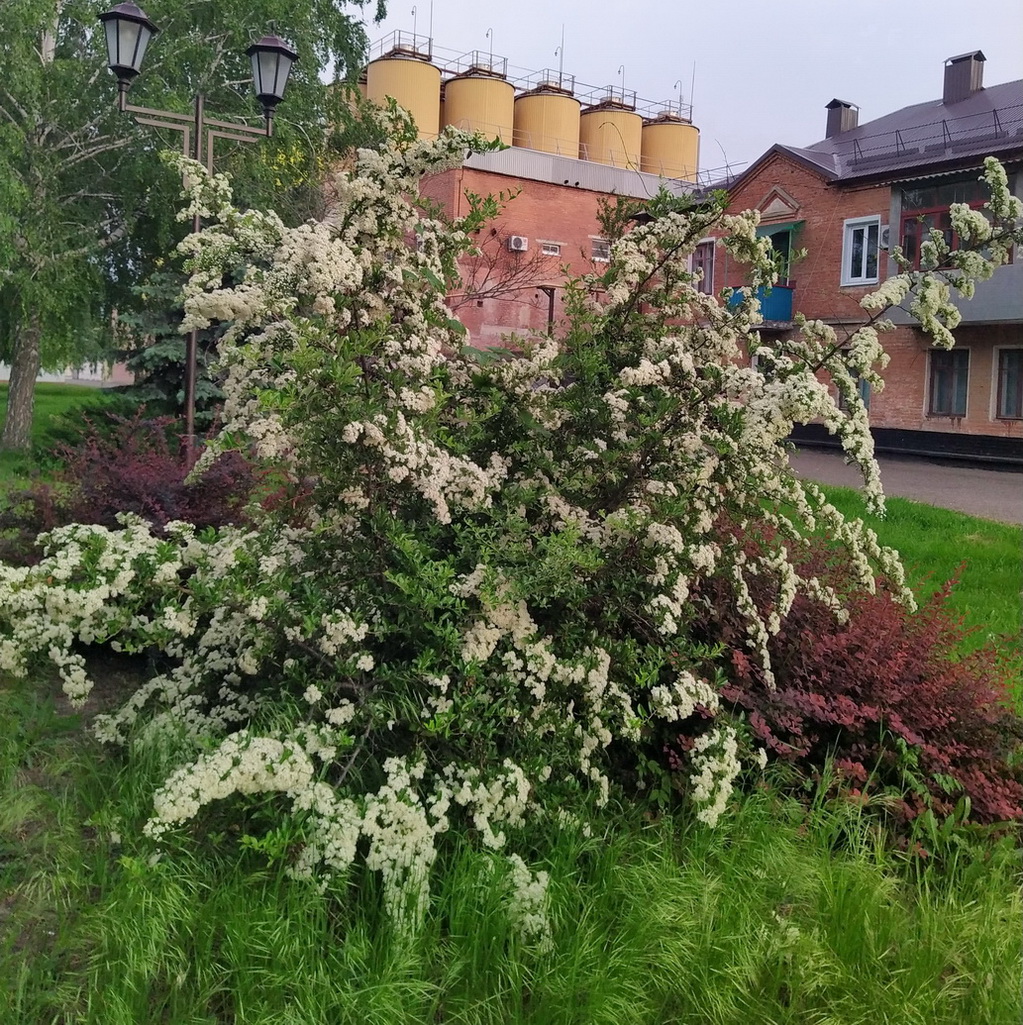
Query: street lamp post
(128, 33)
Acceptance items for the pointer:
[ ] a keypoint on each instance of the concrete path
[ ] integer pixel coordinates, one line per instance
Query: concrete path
(991, 494)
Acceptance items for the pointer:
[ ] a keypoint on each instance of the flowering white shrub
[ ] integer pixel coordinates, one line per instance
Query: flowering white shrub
(474, 612)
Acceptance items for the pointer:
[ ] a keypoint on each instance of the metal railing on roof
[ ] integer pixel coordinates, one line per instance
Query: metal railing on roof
(673, 108)
(479, 61)
(611, 95)
(945, 136)
(548, 78)
(402, 44)
(454, 62)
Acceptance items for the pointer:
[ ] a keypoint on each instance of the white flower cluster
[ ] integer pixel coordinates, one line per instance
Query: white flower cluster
(679, 700)
(442, 478)
(528, 903)
(715, 765)
(471, 612)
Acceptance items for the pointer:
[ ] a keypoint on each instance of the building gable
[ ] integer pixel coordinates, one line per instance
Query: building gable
(778, 205)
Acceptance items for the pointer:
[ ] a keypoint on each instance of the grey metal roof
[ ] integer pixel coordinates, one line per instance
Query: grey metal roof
(926, 137)
(988, 122)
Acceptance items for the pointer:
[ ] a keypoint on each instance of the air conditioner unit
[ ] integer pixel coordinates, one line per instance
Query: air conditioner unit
(884, 240)
(518, 243)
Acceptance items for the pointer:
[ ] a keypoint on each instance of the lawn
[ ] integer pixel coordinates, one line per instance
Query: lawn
(56, 406)
(779, 915)
(938, 544)
(783, 914)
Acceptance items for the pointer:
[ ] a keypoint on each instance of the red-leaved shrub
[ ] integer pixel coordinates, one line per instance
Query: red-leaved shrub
(125, 464)
(25, 513)
(135, 466)
(889, 695)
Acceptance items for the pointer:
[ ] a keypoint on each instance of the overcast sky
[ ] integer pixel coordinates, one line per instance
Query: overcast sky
(764, 71)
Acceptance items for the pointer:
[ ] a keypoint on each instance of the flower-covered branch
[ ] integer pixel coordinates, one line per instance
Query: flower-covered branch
(480, 607)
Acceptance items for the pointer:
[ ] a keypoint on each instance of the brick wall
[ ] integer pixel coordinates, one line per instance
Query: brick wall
(562, 214)
(818, 290)
(904, 401)
(539, 212)
(819, 294)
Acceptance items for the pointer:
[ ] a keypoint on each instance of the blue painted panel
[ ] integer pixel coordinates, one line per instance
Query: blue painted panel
(775, 304)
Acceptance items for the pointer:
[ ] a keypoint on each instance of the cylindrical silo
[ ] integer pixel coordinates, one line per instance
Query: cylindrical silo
(480, 102)
(547, 119)
(413, 83)
(671, 147)
(611, 133)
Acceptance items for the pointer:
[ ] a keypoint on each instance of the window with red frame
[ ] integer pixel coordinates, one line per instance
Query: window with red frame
(926, 206)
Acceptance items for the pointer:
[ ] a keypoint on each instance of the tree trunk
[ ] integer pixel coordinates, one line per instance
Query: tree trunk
(25, 362)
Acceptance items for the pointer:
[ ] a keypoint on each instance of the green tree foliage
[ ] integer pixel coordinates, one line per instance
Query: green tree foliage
(85, 205)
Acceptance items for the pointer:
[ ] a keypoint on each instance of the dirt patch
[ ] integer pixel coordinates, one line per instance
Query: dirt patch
(115, 678)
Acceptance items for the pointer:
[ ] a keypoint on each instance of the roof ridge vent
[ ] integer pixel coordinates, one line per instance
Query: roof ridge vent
(964, 75)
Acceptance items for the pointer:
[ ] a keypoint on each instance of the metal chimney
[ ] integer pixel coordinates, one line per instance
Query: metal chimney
(964, 75)
(843, 116)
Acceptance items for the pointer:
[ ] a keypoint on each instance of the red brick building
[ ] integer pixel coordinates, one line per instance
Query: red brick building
(845, 200)
(865, 188)
(549, 232)
(570, 147)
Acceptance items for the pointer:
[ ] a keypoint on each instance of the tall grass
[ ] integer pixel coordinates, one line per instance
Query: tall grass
(780, 915)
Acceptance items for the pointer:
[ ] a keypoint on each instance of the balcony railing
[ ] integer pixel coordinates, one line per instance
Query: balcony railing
(775, 303)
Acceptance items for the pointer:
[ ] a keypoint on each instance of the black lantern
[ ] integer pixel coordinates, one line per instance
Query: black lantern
(271, 65)
(128, 34)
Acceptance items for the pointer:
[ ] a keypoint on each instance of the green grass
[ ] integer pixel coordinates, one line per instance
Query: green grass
(52, 403)
(937, 545)
(777, 916)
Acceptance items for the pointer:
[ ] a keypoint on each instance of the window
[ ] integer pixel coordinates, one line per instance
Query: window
(950, 371)
(1010, 384)
(550, 248)
(703, 263)
(781, 236)
(863, 387)
(600, 250)
(859, 251)
(926, 207)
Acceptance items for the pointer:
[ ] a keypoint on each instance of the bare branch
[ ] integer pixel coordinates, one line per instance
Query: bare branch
(494, 272)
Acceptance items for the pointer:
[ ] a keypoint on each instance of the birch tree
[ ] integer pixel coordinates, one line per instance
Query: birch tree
(85, 205)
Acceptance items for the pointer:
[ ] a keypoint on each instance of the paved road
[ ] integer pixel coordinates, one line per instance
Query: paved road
(991, 494)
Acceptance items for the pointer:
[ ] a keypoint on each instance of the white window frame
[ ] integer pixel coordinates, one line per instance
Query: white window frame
(549, 248)
(595, 242)
(849, 228)
(706, 284)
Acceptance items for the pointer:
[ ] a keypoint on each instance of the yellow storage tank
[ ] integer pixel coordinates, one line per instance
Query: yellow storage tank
(480, 102)
(547, 119)
(611, 133)
(671, 147)
(414, 83)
